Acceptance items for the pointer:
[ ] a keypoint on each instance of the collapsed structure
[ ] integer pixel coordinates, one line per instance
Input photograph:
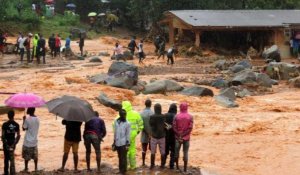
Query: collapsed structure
(257, 28)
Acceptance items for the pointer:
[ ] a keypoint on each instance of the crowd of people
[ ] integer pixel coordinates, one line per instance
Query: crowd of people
(35, 46)
(160, 50)
(169, 132)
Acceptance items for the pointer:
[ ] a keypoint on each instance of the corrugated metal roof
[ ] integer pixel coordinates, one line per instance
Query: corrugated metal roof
(238, 18)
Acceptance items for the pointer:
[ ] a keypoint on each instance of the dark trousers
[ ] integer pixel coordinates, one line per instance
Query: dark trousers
(9, 161)
(28, 55)
(22, 51)
(57, 51)
(52, 50)
(122, 154)
(170, 150)
(170, 59)
(81, 50)
(41, 53)
(141, 57)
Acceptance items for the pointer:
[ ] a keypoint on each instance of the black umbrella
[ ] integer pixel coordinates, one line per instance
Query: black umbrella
(71, 108)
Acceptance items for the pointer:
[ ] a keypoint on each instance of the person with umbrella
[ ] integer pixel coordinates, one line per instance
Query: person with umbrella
(74, 111)
(72, 139)
(31, 125)
(94, 132)
(10, 138)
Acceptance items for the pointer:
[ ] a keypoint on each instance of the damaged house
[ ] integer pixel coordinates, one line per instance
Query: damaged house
(234, 29)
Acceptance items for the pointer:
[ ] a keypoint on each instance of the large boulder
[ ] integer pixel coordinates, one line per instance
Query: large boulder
(264, 80)
(95, 59)
(219, 83)
(245, 77)
(229, 93)
(237, 68)
(282, 71)
(162, 86)
(272, 54)
(103, 99)
(225, 101)
(99, 79)
(157, 87)
(240, 66)
(221, 65)
(122, 75)
(197, 91)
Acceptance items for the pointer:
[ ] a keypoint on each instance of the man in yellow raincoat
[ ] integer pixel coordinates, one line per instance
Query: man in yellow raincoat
(35, 42)
(136, 123)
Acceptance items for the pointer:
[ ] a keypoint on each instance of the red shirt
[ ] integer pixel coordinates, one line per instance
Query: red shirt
(57, 42)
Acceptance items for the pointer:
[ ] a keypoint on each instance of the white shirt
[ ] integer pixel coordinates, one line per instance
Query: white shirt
(33, 7)
(118, 50)
(121, 133)
(21, 42)
(140, 46)
(32, 125)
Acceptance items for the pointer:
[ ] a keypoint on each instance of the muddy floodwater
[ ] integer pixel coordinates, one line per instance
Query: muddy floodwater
(260, 137)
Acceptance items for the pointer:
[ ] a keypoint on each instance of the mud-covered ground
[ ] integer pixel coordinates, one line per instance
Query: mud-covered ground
(261, 137)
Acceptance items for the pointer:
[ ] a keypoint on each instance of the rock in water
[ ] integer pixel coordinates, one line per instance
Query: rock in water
(197, 91)
(122, 75)
(264, 80)
(240, 66)
(219, 83)
(229, 93)
(221, 65)
(225, 101)
(157, 87)
(162, 86)
(99, 79)
(244, 77)
(103, 99)
(95, 60)
(237, 68)
(295, 82)
(282, 71)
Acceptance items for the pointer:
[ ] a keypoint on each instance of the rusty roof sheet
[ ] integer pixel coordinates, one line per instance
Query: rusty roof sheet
(238, 18)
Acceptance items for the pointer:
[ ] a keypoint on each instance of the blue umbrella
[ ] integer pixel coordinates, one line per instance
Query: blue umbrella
(71, 5)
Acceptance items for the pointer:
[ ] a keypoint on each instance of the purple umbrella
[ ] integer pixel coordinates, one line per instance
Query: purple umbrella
(24, 100)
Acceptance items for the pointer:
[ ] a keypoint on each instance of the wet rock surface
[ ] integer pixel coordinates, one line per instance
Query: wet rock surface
(106, 101)
(197, 91)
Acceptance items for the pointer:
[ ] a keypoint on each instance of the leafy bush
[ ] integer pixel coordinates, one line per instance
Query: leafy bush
(67, 19)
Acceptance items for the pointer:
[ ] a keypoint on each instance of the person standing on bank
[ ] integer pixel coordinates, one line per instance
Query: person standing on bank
(72, 139)
(27, 44)
(170, 136)
(31, 125)
(51, 44)
(182, 126)
(21, 42)
(10, 138)
(145, 136)
(122, 131)
(94, 132)
(41, 50)
(158, 134)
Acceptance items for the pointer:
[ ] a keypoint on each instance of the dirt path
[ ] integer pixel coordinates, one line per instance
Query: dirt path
(261, 137)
